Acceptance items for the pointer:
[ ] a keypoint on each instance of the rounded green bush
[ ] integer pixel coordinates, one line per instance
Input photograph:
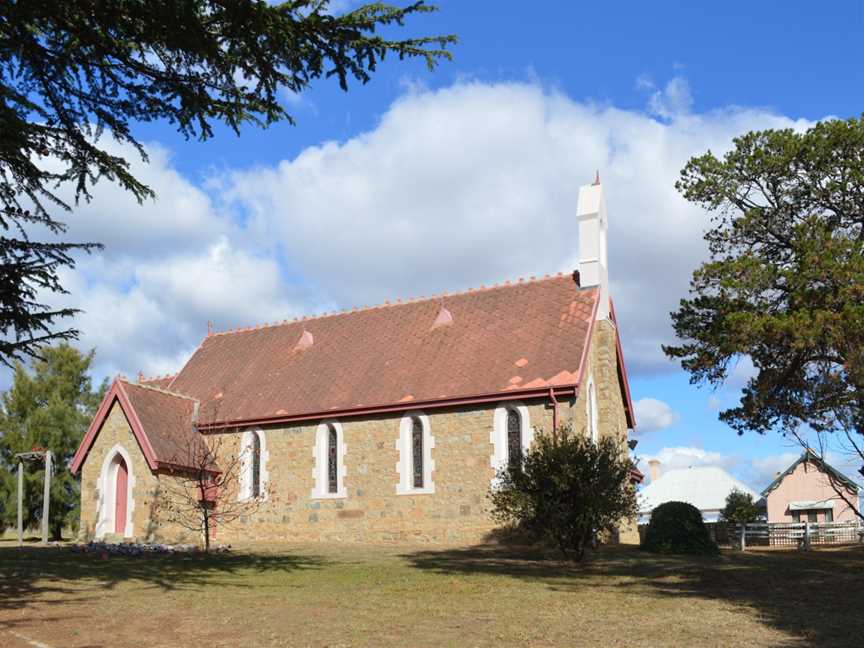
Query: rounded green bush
(677, 528)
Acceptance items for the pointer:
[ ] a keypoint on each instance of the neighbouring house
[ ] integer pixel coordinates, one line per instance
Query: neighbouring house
(375, 424)
(810, 490)
(705, 487)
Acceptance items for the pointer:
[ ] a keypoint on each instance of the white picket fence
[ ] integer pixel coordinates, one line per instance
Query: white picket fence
(798, 534)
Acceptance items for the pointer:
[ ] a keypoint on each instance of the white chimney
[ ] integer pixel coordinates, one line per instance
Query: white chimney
(593, 268)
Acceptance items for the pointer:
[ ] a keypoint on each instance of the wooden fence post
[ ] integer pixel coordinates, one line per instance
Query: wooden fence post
(20, 503)
(46, 497)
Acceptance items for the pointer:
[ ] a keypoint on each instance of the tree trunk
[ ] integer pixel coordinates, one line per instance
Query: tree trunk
(206, 529)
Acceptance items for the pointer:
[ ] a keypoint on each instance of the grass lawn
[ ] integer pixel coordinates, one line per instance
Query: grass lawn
(316, 595)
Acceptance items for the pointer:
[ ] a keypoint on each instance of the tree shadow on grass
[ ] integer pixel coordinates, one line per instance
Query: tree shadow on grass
(56, 575)
(817, 597)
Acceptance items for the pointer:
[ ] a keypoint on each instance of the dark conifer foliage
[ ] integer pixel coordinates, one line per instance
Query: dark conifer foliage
(76, 75)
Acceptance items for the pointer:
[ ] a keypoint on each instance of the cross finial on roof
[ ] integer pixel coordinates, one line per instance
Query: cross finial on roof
(140, 376)
(597, 177)
(209, 327)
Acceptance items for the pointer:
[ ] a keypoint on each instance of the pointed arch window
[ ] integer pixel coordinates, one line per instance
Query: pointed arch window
(332, 460)
(256, 465)
(417, 451)
(253, 464)
(511, 437)
(514, 437)
(415, 444)
(329, 453)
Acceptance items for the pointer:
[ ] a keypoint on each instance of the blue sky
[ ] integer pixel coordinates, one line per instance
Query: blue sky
(421, 182)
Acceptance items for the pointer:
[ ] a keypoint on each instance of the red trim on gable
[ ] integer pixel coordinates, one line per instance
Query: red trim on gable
(115, 393)
(583, 361)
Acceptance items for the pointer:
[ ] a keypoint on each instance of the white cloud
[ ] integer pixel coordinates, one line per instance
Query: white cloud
(766, 468)
(674, 100)
(476, 183)
(686, 457)
(471, 184)
(653, 414)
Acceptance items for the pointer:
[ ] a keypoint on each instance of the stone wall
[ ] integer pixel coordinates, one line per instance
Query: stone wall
(372, 511)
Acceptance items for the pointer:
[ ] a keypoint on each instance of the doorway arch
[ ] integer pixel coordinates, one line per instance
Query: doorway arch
(116, 502)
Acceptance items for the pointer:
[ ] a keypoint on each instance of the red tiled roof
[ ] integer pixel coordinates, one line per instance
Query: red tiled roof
(513, 337)
(168, 421)
(162, 423)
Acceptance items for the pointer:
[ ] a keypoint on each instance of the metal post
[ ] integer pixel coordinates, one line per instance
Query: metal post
(743, 536)
(807, 536)
(46, 497)
(20, 503)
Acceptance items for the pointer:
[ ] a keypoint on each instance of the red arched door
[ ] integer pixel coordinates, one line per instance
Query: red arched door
(120, 497)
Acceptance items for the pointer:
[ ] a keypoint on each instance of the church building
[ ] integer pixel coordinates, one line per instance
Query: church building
(381, 424)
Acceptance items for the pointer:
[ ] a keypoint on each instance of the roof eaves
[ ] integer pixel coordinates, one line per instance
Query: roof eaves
(404, 406)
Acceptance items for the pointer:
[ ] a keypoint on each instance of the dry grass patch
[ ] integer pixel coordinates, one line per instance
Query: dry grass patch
(318, 595)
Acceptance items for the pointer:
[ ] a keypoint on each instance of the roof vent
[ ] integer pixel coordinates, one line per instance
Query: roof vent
(306, 340)
(444, 318)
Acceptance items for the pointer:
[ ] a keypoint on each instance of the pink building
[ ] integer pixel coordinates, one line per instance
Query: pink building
(807, 491)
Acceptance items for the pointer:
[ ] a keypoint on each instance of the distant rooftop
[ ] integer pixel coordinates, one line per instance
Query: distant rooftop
(705, 487)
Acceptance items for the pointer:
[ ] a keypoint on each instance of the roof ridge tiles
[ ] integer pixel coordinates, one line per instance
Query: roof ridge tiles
(145, 379)
(158, 389)
(387, 303)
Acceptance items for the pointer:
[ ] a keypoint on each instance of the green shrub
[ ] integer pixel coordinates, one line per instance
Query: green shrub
(677, 528)
(566, 490)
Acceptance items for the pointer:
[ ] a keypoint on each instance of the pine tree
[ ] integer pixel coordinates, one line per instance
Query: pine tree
(48, 406)
(784, 286)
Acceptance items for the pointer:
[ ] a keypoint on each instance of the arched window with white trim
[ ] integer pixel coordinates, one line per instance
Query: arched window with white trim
(253, 463)
(329, 453)
(514, 438)
(415, 444)
(591, 412)
(332, 460)
(511, 435)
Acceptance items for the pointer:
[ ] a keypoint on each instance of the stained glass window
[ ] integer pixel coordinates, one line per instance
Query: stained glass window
(332, 460)
(514, 437)
(256, 465)
(417, 450)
